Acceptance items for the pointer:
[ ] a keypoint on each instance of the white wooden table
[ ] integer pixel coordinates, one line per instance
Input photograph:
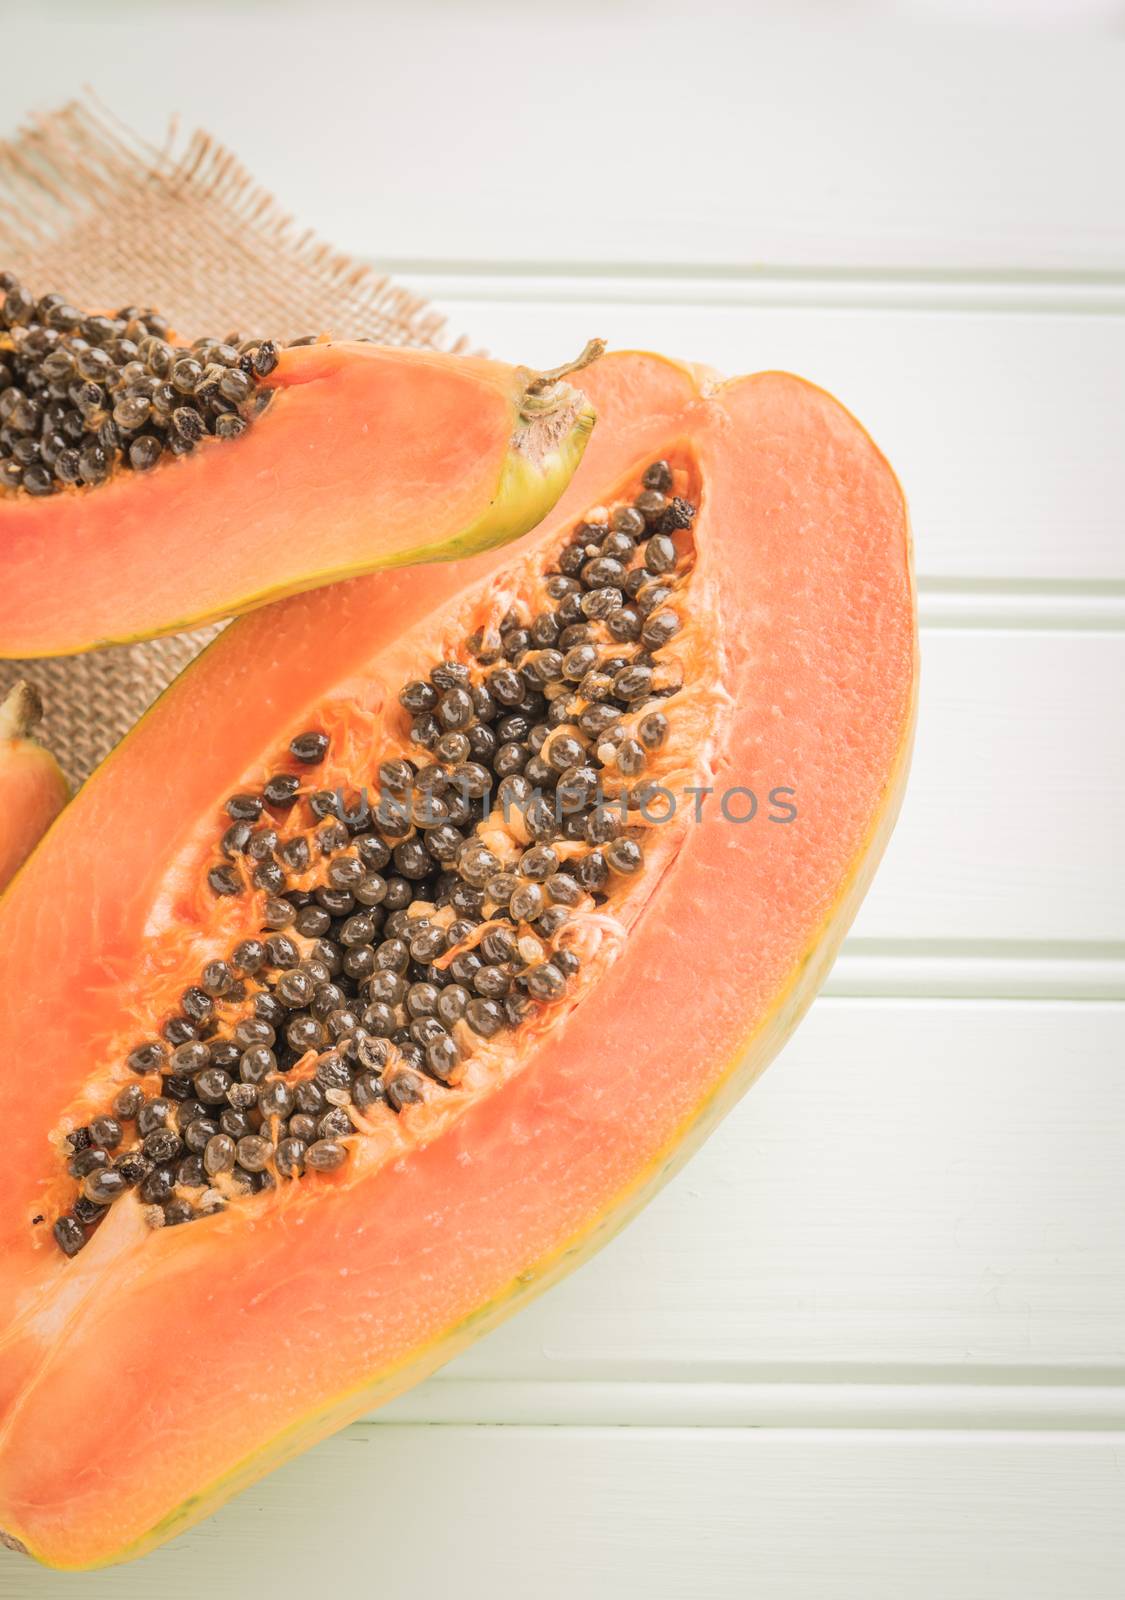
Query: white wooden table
(872, 1342)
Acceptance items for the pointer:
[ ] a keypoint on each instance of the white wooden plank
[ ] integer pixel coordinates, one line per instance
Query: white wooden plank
(1002, 428)
(932, 1189)
(632, 133)
(652, 1514)
(1018, 770)
(1011, 825)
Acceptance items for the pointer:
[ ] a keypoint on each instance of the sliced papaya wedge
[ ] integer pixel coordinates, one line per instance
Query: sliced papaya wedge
(33, 789)
(364, 457)
(418, 934)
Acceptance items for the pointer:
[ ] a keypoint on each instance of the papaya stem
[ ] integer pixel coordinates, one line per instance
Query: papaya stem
(545, 394)
(593, 351)
(20, 711)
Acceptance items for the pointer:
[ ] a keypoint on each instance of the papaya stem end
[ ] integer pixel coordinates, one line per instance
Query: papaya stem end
(20, 710)
(541, 391)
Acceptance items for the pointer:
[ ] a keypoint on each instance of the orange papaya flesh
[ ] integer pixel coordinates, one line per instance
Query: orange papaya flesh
(294, 1310)
(33, 789)
(365, 457)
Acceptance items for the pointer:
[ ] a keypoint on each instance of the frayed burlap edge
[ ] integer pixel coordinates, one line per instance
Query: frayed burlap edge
(90, 210)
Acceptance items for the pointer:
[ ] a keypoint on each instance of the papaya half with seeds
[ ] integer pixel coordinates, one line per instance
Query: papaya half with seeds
(419, 932)
(362, 457)
(33, 789)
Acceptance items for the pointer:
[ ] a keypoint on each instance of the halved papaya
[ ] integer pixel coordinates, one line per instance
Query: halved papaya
(146, 486)
(33, 789)
(419, 933)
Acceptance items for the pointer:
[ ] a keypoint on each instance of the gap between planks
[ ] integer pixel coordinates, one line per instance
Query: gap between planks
(984, 969)
(1027, 605)
(1027, 1406)
(870, 288)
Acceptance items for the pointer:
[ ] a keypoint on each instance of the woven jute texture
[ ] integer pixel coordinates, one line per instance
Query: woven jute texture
(91, 211)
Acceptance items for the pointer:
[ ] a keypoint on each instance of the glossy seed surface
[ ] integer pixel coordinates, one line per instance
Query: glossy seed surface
(84, 397)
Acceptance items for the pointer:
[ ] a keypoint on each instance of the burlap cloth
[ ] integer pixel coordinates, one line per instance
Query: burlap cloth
(89, 210)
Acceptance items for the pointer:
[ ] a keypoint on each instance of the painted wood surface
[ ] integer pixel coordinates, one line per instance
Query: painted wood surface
(627, 1513)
